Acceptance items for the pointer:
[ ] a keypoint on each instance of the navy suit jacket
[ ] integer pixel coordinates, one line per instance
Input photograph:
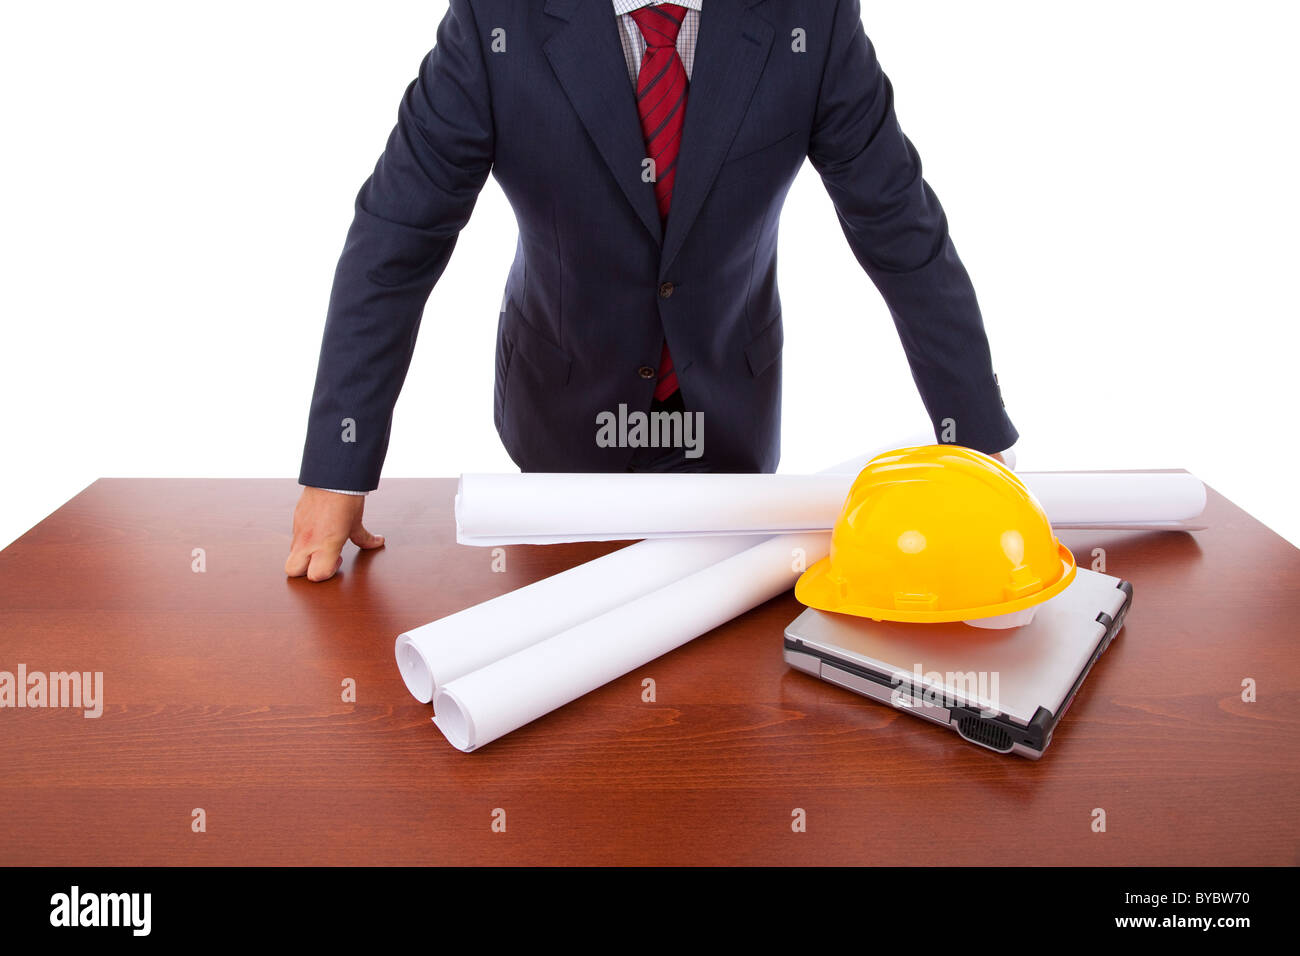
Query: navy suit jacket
(537, 93)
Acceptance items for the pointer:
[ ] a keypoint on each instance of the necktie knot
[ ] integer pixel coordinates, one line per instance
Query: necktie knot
(659, 24)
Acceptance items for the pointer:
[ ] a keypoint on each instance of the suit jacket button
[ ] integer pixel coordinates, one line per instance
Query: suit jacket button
(665, 290)
(645, 371)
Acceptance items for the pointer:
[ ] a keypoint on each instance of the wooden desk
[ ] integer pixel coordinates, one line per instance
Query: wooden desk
(223, 692)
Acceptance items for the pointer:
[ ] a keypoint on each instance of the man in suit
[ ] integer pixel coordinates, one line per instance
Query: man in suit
(647, 150)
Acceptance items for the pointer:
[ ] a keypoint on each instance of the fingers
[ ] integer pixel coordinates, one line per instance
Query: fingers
(323, 523)
(295, 566)
(324, 562)
(364, 539)
(318, 563)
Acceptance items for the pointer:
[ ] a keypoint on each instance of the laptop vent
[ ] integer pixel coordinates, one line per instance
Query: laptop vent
(984, 733)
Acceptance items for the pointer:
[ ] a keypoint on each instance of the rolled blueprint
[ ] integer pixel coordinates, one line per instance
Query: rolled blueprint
(548, 508)
(1117, 499)
(487, 703)
(443, 650)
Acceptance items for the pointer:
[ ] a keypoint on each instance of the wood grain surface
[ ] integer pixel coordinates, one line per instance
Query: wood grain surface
(223, 691)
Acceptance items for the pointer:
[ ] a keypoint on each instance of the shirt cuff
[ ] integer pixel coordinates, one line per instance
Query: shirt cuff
(342, 491)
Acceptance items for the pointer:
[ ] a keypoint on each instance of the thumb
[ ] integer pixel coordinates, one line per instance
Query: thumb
(364, 539)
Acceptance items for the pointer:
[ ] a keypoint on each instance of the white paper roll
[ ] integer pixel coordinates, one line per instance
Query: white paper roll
(550, 508)
(430, 655)
(546, 509)
(1117, 498)
(485, 704)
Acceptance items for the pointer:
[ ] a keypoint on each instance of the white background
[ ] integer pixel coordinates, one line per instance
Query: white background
(1119, 177)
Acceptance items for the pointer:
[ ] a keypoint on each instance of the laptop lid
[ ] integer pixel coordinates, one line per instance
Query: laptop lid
(1011, 673)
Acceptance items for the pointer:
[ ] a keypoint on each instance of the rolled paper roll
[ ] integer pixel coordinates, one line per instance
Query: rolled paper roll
(435, 653)
(539, 508)
(548, 508)
(494, 700)
(1117, 499)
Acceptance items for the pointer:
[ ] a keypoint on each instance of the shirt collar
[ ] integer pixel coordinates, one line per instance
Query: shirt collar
(627, 6)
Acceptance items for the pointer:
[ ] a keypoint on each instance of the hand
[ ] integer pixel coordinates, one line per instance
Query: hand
(323, 522)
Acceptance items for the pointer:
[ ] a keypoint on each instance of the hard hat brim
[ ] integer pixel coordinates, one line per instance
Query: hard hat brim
(816, 590)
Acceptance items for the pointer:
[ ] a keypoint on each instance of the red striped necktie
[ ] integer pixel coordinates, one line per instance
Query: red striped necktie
(661, 101)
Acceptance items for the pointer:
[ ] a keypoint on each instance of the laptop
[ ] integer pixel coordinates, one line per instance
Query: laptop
(1005, 690)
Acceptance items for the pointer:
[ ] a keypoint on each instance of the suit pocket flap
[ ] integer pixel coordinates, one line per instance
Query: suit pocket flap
(746, 149)
(765, 347)
(536, 349)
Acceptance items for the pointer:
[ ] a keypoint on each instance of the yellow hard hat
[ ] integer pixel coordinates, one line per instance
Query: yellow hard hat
(937, 533)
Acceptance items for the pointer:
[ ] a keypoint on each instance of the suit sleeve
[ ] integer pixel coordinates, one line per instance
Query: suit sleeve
(899, 234)
(407, 217)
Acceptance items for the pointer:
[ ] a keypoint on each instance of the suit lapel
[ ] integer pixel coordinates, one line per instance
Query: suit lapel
(729, 55)
(587, 57)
